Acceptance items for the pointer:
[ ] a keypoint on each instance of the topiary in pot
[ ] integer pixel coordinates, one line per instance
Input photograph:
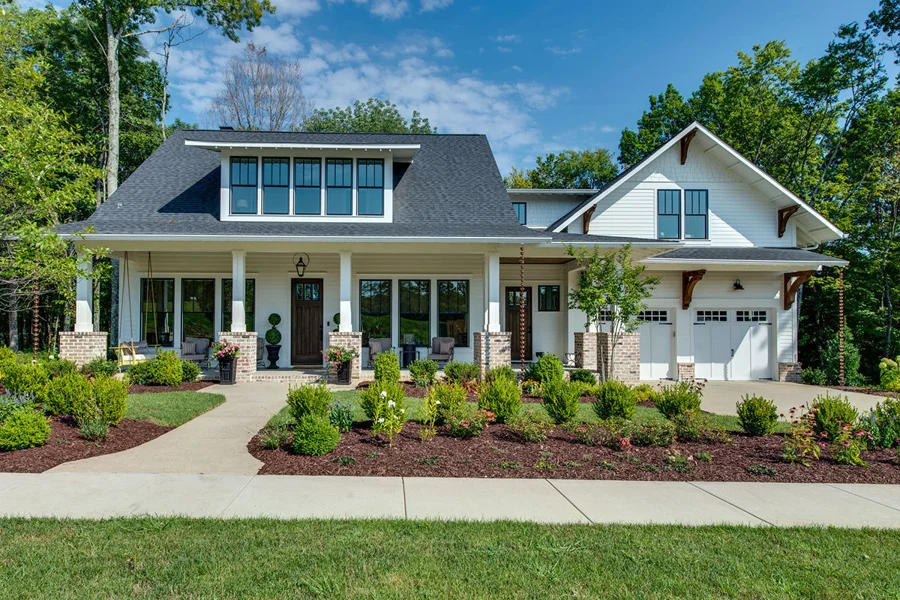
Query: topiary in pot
(273, 341)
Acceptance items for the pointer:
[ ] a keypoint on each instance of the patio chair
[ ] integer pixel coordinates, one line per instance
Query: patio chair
(196, 350)
(376, 347)
(441, 350)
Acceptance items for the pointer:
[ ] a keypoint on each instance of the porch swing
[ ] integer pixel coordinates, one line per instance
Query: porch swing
(131, 353)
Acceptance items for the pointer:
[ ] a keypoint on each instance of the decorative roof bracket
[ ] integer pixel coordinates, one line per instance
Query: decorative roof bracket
(689, 280)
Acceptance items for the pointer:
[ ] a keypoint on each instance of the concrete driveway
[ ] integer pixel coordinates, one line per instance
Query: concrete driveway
(720, 397)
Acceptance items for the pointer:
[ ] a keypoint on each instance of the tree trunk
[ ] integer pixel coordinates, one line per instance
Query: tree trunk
(112, 68)
(13, 329)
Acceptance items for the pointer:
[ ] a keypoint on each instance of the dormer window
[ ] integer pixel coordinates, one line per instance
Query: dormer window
(243, 185)
(339, 182)
(370, 186)
(276, 186)
(307, 186)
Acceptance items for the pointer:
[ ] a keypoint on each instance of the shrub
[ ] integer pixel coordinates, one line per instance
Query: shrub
(466, 424)
(314, 435)
(531, 427)
(379, 393)
(24, 429)
(59, 367)
(813, 376)
(10, 403)
(883, 423)
(561, 400)
(504, 372)
(273, 336)
(100, 366)
(890, 374)
(111, 397)
(423, 372)
(830, 413)
(7, 357)
(67, 392)
(501, 397)
(614, 400)
(166, 369)
(387, 367)
(309, 399)
(679, 398)
(28, 379)
(274, 437)
(93, 428)
(341, 416)
(140, 373)
(461, 372)
(652, 434)
(644, 393)
(447, 398)
(584, 376)
(757, 415)
(547, 368)
(189, 371)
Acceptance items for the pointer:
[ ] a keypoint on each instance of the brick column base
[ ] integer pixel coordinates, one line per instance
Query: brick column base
(346, 339)
(81, 347)
(686, 371)
(790, 372)
(245, 363)
(492, 350)
(627, 367)
(586, 350)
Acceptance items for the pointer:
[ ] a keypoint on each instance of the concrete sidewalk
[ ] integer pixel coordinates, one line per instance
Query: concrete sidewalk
(104, 495)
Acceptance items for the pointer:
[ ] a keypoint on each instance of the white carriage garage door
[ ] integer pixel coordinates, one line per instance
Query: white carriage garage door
(657, 340)
(732, 345)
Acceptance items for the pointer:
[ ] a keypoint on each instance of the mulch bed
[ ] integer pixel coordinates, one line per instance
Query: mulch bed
(190, 386)
(65, 444)
(866, 390)
(419, 392)
(485, 457)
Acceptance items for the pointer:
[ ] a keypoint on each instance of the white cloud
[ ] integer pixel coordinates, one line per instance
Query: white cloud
(504, 39)
(517, 68)
(563, 51)
(608, 129)
(296, 8)
(281, 40)
(415, 44)
(429, 5)
(389, 10)
(504, 49)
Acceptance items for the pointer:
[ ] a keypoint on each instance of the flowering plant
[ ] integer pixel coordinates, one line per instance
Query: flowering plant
(847, 448)
(226, 351)
(462, 425)
(389, 418)
(800, 445)
(339, 354)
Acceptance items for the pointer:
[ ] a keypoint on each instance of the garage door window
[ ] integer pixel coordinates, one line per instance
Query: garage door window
(707, 316)
(752, 316)
(654, 316)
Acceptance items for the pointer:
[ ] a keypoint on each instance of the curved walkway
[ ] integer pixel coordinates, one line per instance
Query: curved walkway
(214, 442)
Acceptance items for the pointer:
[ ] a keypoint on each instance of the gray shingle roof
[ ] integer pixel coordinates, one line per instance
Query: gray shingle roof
(586, 238)
(775, 255)
(452, 189)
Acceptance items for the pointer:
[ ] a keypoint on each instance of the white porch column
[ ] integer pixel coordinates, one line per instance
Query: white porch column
(492, 292)
(238, 290)
(84, 295)
(346, 284)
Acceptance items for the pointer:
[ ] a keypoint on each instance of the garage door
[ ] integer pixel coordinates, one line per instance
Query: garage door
(656, 344)
(733, 345)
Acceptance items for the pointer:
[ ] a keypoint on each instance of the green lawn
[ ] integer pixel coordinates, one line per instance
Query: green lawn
(170, 408)
(183, 558)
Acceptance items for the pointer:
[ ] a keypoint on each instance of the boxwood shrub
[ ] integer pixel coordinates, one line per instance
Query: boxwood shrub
(314, 435)
(67, 392)
(111, 397)
(615, 400)
(583, 376)
(24, 429)
(461, 372)
(561, 400)
(28, 379)
(678, 398)
(830, 413)
(423, 371)
(387, 367)
(448, 397)
(547, 368)
(309, 399)
(757, 415)
(501, 397)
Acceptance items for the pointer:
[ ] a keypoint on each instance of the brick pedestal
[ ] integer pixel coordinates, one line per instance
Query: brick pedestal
(586, 350)
(245, 363)
(686, 371)
(790, 372)
(82, 347)
(346, 339)
(627, 367)
(492, 350)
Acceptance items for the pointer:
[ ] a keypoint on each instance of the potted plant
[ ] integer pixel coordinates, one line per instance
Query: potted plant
(225, 353)
(342, 357)
(273, 341)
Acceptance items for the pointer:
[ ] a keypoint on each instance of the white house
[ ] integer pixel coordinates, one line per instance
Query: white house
(414, 237)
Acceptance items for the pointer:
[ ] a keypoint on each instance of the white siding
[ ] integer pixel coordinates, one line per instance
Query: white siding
(544, 210)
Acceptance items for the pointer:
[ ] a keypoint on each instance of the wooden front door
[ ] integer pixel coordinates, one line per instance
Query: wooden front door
(306, 321)
(514, 298)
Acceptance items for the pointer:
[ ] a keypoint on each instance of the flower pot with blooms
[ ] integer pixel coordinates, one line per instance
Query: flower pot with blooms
(225, 353)
(341, 357)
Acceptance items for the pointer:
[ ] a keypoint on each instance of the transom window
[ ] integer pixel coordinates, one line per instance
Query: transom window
(654, 316)
(339, 186)
(752, 316)
(243, 185)
(375, 308)
(706, 316)
(370, 186)
(696, 214)
(668, 214)
(307, 186)
(521, 212)
(453, 311)
(415, 311)
(276, 186)
(548, 298)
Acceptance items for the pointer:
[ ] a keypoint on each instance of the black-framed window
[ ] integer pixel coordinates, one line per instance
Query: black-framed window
(158, 311)
(198, 308)
(276, 186)
(696, 214)
(370, 186)
(243, 185)
(414, 298)
(249, 304)
(548, 298)
(521, 212)
(307, 186)
(668, 214)
(375, 308)
(339, 186)
(453, 311)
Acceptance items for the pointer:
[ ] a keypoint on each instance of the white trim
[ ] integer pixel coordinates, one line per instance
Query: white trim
(304, 238)
(755, 263)
(299, 146)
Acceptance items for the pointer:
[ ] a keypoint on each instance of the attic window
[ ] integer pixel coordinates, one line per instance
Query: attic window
(521, 212)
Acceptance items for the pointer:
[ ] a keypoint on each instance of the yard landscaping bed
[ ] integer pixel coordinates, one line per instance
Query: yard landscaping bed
(866, 390)
(187, 386)
(414, 391)
(499, 452)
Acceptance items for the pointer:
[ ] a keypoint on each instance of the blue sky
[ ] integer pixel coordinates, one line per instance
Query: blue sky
(535, 76)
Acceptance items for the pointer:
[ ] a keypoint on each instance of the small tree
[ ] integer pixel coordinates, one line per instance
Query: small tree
(610, 282)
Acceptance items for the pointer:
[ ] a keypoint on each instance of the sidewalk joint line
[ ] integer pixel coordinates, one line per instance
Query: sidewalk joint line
(589, 520)
(740, 508)
(236, 496)
(831, 485)
(403, 484)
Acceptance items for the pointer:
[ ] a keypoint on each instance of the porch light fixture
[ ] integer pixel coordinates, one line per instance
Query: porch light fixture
(737, 286)
(302, 262)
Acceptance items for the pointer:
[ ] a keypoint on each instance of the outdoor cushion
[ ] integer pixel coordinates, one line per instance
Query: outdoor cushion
(439, 357)
(375, 346)
(202, 344)
(188, 348)
(445, 347)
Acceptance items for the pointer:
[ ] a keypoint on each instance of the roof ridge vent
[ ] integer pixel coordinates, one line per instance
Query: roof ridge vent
(226, 128)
